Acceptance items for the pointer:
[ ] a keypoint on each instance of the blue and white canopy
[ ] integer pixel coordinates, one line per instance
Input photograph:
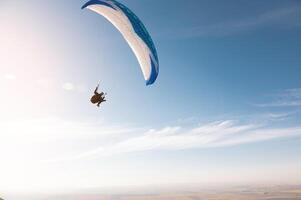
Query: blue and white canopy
(133, 31)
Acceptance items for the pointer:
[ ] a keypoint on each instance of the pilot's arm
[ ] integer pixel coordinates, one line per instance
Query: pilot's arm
(95, 91)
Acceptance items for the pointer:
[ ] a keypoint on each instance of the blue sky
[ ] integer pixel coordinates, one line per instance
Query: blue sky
(227, 99)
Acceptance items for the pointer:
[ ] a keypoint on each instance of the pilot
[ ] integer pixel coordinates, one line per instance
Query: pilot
(98, 97)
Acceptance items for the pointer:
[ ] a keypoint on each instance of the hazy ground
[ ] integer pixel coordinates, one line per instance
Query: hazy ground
(229, 193)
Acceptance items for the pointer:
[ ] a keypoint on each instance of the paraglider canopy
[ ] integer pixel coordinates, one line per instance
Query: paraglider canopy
(133, 31)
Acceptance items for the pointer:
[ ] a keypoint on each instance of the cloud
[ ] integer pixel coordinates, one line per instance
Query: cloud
(285, 16)
(56, 140)
(277, 116)
(211, 135)
(10, 76)
(68, 86)
(40, 138)
(286, 98)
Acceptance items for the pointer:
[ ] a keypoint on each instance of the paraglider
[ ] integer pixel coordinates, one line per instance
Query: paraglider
(133, 31)
(98, 97)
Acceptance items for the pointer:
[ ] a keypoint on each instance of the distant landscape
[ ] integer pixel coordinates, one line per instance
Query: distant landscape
(284, 192)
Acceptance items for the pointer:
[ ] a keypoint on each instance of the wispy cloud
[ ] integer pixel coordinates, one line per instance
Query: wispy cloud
(286, 98)
(10, 76)
(68, 86)
(211, 135)
(277, 116)
(285, 16)
(54, 139)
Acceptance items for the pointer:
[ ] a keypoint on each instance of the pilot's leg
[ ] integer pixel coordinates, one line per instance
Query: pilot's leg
(99, 103)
